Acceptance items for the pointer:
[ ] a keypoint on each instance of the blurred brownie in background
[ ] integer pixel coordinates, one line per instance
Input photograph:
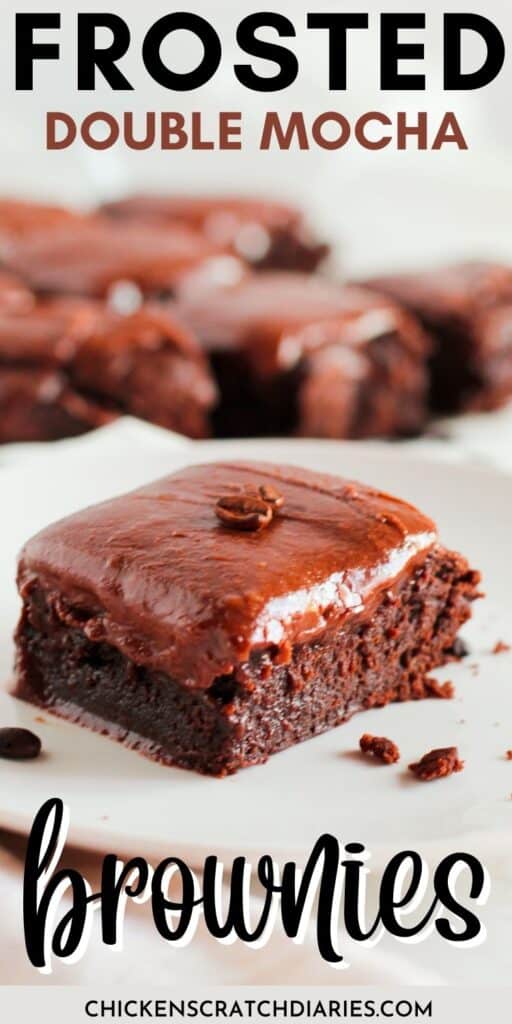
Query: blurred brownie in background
(69, 365)
(467, 308)
(97, 258)
(40, 405)
(147, 364)
(294, 353)
(15, 297)
(21, 217)
(37, 400)
(265, 234)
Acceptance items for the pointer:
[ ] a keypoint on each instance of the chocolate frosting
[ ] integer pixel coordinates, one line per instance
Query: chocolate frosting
(218, 216)
(58, 331)
(278, 318)
(155, 573)
(20, 217)
(91, 257)
(48, 333)
(247, 225)
(453, 293)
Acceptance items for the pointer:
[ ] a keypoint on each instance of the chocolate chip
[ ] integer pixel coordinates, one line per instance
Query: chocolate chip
(459, 648)
(437, 764)
(244, 512)
(271, 495)
(19, 744)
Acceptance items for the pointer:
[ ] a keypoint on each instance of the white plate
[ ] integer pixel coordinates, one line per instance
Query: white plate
(122, 803)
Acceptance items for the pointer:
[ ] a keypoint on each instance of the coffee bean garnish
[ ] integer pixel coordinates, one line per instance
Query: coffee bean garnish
(19, 744)
(252, 509)
(243, 512)
(271, 496)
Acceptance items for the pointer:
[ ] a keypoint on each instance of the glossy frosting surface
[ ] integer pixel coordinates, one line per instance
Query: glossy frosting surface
(20, 217)
(453, 292)
(54, 331)
(218, 215)
(157, 575)
(278, 317)
(89, 258)
(48, 332)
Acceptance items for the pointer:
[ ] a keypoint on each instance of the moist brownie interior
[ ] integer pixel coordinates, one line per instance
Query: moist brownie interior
(298, 354)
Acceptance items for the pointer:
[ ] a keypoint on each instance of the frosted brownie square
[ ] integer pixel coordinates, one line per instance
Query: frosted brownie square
(231, 610)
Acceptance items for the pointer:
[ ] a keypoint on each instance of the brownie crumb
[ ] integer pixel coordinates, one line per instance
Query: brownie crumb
(437, 764)
(501, 647)
(381, 748)
(443, 691)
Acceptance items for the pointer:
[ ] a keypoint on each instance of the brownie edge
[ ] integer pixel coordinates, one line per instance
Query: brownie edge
(262, 707)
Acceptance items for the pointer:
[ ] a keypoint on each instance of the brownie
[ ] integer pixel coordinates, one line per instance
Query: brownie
(69, 365)
(94, 257)
(37, 399)
(266, 234)
(148, 365)
(22, 217)
(294, 353)
(40, 405)
(15, 297)
(211, 642)
(467, 308)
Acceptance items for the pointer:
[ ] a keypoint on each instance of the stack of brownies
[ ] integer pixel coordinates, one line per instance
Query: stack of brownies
(212, 316)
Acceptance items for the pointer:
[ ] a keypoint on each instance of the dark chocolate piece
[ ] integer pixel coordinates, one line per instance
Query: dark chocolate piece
(299, 354)
(211, 648)
(19, 744)
(460, 649)
(266, 234)
(467, 308)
